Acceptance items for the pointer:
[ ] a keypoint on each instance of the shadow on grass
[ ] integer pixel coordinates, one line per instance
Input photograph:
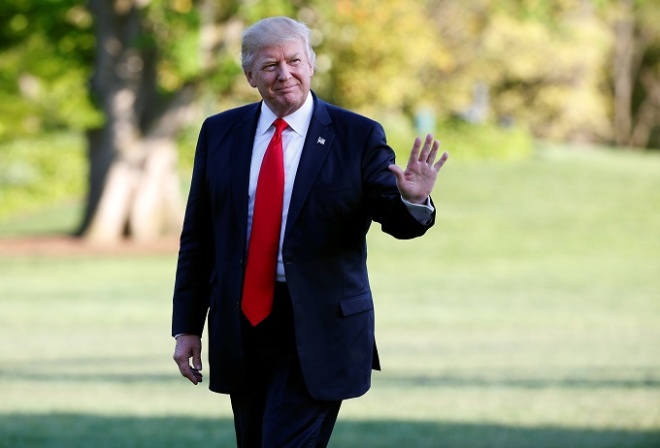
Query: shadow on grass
(58, 371)
(81, 430)
(520, 383)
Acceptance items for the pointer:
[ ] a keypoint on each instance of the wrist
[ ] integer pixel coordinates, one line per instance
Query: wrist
(178, 335)
(416, 201)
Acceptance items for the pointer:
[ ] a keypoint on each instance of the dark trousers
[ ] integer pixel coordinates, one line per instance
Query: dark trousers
(275, 410)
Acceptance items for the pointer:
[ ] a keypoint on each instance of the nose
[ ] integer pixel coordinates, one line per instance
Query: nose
(283, 72)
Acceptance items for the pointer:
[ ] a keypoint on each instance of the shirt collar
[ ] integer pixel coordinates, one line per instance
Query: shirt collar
(298, 121)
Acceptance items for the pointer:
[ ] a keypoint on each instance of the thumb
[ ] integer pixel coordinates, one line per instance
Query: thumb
(398, 173)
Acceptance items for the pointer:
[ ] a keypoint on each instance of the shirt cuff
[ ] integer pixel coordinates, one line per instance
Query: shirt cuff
(423, 213)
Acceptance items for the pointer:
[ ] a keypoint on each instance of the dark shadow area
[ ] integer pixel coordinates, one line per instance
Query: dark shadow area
(56, 371)
(81, 430)
(97, 431)
(107, 369)
(417, 382)
(441, 381)
(93, 377)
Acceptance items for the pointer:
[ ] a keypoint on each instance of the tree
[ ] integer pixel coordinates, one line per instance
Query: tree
(154, 61)
(542, 63)
(151, 60)
(374, 54)
(636, 71)
(47, 49)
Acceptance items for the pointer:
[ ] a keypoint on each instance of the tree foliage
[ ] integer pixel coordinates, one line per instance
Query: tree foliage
(46, 49)
(373, 54)
(571, 69)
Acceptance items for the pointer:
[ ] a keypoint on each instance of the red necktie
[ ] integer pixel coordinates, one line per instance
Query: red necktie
(260, 272)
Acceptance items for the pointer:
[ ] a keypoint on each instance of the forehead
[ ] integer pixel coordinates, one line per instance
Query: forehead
(282, 50)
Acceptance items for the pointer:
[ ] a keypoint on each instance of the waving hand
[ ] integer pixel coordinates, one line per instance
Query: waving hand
(417, 181)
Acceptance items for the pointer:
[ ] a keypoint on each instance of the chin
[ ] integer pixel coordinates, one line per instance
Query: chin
(289, 103)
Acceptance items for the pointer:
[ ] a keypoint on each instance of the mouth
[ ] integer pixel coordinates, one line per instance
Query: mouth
(286, 89)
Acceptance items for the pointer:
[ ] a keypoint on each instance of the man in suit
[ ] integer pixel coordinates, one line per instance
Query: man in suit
(292, 337)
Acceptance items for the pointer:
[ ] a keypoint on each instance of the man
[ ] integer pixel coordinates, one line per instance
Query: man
(280, 268)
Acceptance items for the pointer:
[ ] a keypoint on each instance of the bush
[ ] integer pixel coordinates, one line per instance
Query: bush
(463, 140)
(466, 141)
(39, 171)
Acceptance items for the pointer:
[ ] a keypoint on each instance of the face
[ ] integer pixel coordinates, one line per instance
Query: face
(282, 74)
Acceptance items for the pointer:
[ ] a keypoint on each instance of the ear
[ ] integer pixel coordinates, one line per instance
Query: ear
(250, 78)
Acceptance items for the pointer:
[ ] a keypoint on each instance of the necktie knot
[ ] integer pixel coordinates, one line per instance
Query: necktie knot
(280, 125)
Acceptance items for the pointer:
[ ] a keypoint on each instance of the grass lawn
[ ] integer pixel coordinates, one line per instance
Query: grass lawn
(529, 316)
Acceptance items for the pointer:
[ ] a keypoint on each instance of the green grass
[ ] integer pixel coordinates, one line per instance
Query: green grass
(60, 218)
(528, 317)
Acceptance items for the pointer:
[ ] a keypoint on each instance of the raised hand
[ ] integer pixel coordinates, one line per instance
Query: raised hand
(416, 182)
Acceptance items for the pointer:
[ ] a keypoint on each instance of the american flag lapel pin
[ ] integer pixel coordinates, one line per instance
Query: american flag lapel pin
(320, 141)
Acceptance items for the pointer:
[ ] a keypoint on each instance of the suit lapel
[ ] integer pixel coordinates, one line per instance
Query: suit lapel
(241, 155)
(317, 144)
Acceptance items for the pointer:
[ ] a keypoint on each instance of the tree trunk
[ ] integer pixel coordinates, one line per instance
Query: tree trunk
(134, 189)
(624, 29)
(634, 121)
(156, 207)
(133, 181)
(141, 200)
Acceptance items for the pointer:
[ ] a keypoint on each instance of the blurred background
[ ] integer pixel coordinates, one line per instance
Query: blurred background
(100, 99)
(530, 316)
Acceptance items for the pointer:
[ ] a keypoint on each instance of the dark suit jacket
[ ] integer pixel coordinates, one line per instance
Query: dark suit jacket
(342, 185)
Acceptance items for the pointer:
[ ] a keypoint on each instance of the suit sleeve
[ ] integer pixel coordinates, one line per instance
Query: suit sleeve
(383, 197)
(194, 267)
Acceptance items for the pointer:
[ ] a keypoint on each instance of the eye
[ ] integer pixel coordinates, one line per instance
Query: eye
(294, 61)
(268, 67)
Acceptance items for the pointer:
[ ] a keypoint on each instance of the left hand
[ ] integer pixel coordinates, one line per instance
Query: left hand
(417, 181)
(189, 346)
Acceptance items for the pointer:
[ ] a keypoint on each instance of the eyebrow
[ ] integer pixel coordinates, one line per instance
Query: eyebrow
(269, 60)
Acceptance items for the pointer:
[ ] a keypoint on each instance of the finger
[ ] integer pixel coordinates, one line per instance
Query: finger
(197, 374)
(434, 152)
(424, 154)
(197, 359)
(193, 375)
(187, 372)
(414, 153)
(439, 164)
